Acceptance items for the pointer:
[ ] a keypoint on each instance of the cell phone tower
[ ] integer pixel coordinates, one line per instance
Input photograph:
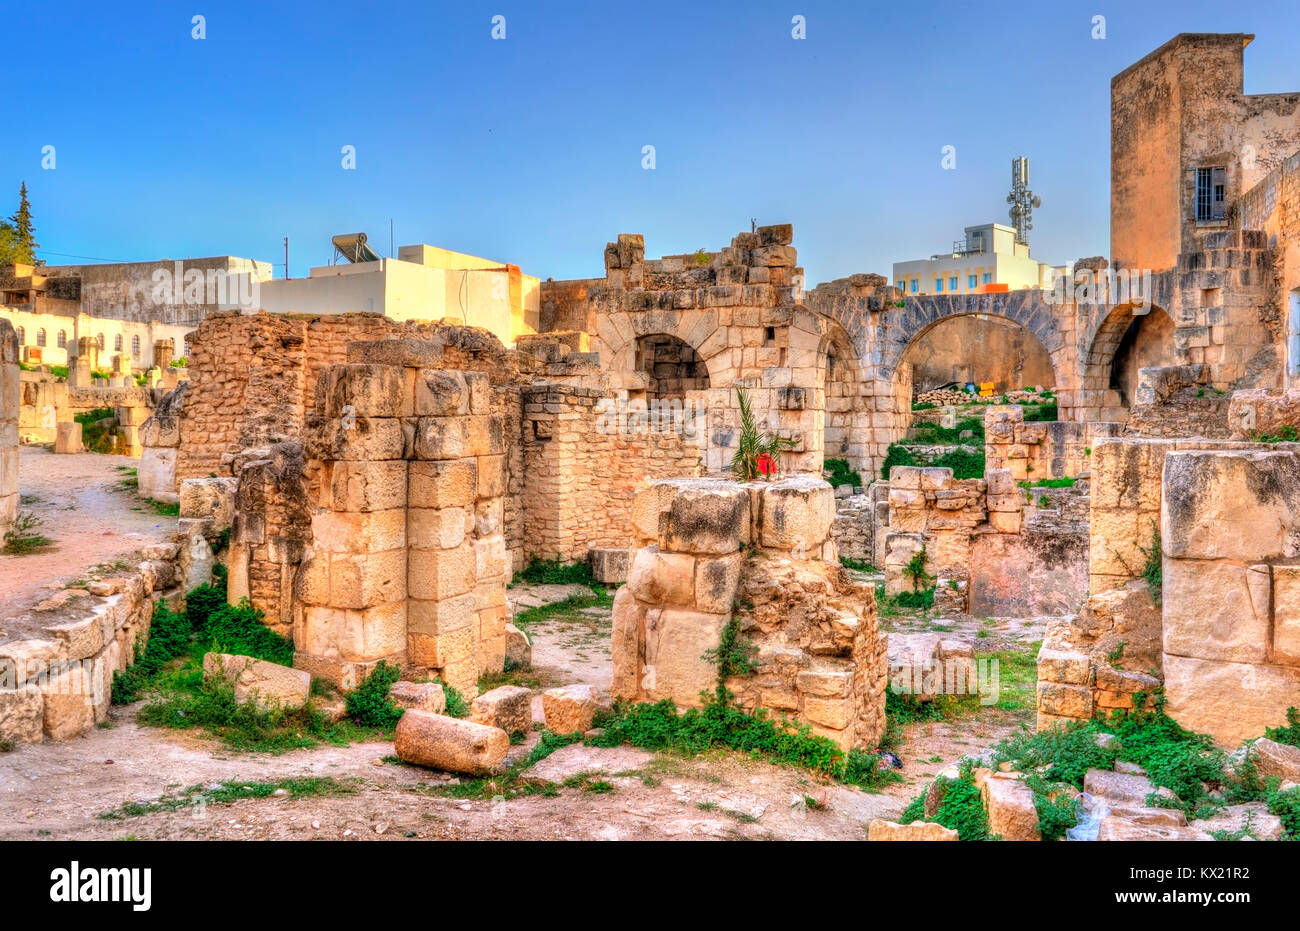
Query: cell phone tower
(1022, 200)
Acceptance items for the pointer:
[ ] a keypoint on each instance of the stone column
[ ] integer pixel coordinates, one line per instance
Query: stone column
(10, 401)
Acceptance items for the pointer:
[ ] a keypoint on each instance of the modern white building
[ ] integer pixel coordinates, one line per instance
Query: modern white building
(987, 259)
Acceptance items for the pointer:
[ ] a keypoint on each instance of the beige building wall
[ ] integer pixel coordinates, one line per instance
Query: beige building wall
(424, 283)
(137, 339)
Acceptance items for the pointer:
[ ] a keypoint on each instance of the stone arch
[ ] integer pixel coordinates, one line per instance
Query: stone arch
(621, 334)
(671, 367)
(1108, 336)
(846, 401)
(901, 326)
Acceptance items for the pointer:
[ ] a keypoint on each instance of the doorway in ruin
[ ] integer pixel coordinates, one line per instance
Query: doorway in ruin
(976, 349)
(1147, 340)
(672, 368)
(846, 427)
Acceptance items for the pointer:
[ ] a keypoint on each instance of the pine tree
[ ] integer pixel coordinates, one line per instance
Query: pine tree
(24, 231)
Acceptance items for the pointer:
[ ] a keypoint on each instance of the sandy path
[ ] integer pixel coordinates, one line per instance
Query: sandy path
(91, 518)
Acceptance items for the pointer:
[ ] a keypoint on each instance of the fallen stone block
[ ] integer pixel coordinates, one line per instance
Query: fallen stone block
(20, 716)
(419, 696)
(1115, 827)
(1010, 806)
(609, 564)
(917, 830)
(509, 707)
(1122, 789)
(450, 744)
(267, 685)
(1252, 818)
(519, 649)
(574, 759)
(67, 438)
(1276, 759)
(569, 709)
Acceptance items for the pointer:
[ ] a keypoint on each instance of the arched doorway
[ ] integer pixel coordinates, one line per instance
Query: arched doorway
(1148, 341)
(671, 367)
(978, 349)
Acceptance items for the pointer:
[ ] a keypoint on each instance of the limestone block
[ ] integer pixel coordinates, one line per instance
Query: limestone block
(1070, 701)
(1231, 702)
(70, 696)
(1067, 666)
(1006, 521)
(433, 575)
(914, 667)
(450, 744)
(1118, 828)
(435, 528)
(1233, 504)
(368, 486)
(420, 696)
(1276, 759)
(156, 474)
(1253, 817)
(359, 532)
(1217, 610)
(453, 483)
(880, 830)
(441, 617)
(1010, 806)
(519, 649)
(609, 564)
(1127, 789)
(833, 713)
(708, 518)
(716, 581)
(441, 393)
(626, 644)
(797, 514)
(20, 715)
(660, 578)
(366, 580)
(363, 390)
(569, 709)
(676, 640)
(509, 707)
(80, 639)
(267, 685)
(67, 438)
(1286, 615)
(354, 438)
(824, 683)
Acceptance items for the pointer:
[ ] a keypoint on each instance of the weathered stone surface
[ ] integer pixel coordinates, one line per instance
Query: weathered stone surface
(1117, 828)
(1253, 818)
(1010, 806)
(1236, 504)
(421, 696)
(450, 744)
(1276, 759)
(1217, 610)
(267, 685)
(68, 438)
(918, 830)
(70, 696)
(707, 517)
(1232, 702)
(609, 564)
(662, 578)
(509, 707)
(569, 709)
(20, 715)
(576, 759)
(519, 649)
(1121, 788)
(676, 640)
(797, 514)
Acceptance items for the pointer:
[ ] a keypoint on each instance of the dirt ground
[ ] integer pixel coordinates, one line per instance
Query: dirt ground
(91, 517)
(65, 790)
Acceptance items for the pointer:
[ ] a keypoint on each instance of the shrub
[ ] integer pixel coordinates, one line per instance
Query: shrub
(965, 463)
(754, 447)
(896, 455)
(169, 637)
(1289, 734)
(1041, 412)
(840, 473)
(97, 435)
(962, 809)
(238, 629)
(554, 572)
(734, 654)
(369, 705)
(22, 538)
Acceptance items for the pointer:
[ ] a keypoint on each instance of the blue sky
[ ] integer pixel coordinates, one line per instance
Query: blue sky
(528, 149)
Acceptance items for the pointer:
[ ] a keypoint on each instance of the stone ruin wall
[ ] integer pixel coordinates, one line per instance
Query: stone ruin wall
(712, 550)
(10, 402)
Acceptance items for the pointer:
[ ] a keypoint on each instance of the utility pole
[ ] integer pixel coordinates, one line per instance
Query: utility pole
(286, 257)
(391, 253)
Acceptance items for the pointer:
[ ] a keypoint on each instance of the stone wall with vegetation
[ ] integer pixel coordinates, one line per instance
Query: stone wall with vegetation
(737, 586)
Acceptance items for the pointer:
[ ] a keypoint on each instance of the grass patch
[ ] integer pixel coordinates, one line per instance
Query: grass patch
(554, 572)
(837, 472)
(23, 538)
(896, 455)
(369, 704)
(598, 598)
(1049, 483)
(227, 792)
(858, 565)
(98, 429)
(164, 508)
(719, 725)
(1284, 434)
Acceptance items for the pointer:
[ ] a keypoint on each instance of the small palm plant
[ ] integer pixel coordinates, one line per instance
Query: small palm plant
(757, 453)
